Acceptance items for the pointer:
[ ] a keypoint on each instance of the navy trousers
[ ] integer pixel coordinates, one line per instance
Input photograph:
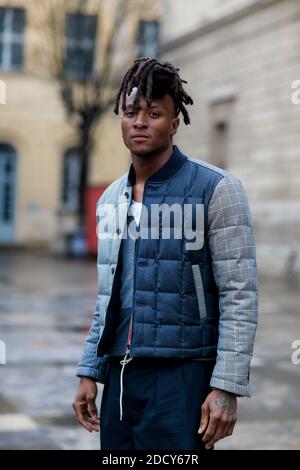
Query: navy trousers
(161, 404)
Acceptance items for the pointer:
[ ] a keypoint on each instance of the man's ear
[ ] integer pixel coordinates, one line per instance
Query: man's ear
(174, 126)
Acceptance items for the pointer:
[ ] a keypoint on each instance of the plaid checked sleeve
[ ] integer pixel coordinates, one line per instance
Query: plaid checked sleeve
(233, 253)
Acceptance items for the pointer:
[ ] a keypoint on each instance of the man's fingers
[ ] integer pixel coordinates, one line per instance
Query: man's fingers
(84, 418)
(231, 428)
(93, 414)
(218, 434)
(228, 427)
(92, 409)
(211, 429)
(86, 422)
(85, 404)
(224, 429)
(204, 418)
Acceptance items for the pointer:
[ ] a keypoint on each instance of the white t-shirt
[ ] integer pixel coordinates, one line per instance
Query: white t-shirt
(136, 209)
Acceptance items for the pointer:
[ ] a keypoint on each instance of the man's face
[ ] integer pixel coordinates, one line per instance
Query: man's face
(150, 130)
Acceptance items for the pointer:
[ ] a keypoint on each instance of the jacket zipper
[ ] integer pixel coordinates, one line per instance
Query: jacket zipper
(130, 334)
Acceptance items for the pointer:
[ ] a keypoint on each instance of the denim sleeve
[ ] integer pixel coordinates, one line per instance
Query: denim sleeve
(90, 365)
(233, 252)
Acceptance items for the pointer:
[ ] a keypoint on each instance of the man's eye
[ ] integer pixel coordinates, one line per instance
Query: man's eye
(129, 114)
(155, 115)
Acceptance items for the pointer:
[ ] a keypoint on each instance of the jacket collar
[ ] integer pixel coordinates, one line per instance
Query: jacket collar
(169, 169)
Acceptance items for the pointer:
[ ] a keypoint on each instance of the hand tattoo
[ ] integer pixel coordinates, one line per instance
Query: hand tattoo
(226, 403)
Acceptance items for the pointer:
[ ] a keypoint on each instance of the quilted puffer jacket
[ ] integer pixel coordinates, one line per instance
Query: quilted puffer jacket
(187, 303)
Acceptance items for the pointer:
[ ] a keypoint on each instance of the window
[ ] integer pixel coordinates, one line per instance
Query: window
(71, 180)
(81, 45)
(8, 163)
(12, 28)
(147, 39)
(219, 145)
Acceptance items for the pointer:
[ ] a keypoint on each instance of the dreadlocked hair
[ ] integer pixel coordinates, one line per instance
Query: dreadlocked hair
(153, 79)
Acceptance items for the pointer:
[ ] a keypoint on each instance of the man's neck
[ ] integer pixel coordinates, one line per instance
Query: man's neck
(147, 165)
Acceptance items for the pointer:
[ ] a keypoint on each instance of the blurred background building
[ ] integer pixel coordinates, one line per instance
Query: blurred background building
(240, 59)
(58, 60)
(61, 62)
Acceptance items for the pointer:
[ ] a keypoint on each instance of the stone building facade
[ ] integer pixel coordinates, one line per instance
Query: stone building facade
(242, 62)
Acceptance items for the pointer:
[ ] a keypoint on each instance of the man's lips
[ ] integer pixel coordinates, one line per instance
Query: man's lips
(139, 137)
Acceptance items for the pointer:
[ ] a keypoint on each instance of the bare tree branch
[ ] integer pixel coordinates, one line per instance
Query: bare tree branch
(88, 96)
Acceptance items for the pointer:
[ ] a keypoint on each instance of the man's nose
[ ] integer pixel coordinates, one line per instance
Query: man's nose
(140, 120)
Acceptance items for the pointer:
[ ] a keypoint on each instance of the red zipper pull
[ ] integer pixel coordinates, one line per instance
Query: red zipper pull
(129, 335)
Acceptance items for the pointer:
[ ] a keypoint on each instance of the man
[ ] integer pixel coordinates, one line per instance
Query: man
(175, 321)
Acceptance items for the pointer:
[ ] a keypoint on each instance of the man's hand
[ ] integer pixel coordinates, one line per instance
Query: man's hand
(218, 417)
(85, 404)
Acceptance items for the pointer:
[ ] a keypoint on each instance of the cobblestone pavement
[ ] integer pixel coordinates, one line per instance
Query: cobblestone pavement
(46, 306)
